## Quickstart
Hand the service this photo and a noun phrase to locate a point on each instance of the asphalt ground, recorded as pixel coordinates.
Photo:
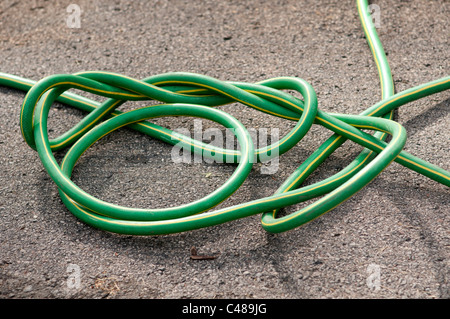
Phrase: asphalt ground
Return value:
(391, 240)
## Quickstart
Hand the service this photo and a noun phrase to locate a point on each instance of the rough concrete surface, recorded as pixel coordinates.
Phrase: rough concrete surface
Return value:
(397, 228)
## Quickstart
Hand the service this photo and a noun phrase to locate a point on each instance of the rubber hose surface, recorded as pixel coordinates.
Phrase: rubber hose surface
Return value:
(194, 95)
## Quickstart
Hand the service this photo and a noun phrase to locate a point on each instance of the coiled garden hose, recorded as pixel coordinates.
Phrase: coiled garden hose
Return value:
(194, 95)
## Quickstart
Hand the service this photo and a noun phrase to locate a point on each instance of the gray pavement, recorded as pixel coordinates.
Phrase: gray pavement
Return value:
(395, 230)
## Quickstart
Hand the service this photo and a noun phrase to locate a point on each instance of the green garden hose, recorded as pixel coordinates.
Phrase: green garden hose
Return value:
(194, 95)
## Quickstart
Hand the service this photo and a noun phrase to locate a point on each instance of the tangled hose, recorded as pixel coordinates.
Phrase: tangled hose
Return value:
(194, 95)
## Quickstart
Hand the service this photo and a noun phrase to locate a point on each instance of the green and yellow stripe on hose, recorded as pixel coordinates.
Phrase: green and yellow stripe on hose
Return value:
(194, 95)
